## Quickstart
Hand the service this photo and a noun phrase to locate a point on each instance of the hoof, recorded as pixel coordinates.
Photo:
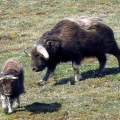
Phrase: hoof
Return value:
(10, 112)
(41, 83)
(96, 75)
(5, 110)
(16, 105)
(72, 82)
(78, 77)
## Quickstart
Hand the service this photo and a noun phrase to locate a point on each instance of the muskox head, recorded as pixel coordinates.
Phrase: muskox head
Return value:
(7, 83)
(42, 54)
(39, 56)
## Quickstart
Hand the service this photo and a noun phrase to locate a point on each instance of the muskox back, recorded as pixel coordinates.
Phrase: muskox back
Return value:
(68, 40)
(86, 22)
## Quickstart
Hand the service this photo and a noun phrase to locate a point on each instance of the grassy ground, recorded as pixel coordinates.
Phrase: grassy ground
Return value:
(21, 23)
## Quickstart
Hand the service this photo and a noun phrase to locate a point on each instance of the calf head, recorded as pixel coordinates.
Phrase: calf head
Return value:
(7, 83)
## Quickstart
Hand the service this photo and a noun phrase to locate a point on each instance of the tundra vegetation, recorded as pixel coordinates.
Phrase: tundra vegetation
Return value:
(21, 23)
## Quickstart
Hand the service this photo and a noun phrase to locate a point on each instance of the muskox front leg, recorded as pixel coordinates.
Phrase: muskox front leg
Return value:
(77, 75)
(43, 81)
(10, 105)
(4, 104)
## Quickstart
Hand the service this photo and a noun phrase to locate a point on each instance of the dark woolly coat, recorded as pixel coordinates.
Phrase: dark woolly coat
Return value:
(67, 41)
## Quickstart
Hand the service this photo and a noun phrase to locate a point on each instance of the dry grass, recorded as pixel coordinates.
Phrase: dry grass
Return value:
(24, 21)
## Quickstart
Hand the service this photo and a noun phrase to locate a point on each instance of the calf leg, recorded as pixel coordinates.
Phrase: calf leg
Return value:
(10, 105)
(102, 62)
(77, 75)
(17, 102)
(4, 104)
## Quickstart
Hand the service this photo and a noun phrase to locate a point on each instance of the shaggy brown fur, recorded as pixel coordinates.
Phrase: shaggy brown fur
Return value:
(13, 67)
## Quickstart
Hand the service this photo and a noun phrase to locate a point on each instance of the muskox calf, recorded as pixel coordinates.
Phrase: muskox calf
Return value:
(71, 41)
(11, 84)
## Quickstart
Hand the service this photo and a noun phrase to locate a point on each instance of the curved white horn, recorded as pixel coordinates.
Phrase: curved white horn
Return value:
(9, 77)
(14, 78)
(42, 51)
(1, 78)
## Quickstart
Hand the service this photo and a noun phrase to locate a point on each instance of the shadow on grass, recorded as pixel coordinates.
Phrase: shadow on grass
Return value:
(107, 71)
(65, 81)
(89, 74)
(37, 108)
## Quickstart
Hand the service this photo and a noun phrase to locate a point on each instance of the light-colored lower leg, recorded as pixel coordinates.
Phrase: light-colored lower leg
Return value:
(10, 105)
(77, 75)
(4, 104)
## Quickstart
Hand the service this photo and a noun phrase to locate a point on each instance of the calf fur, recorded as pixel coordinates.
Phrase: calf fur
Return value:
(11, 84)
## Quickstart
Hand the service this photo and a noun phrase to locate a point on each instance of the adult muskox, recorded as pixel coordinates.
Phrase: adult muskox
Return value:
(69, 41)
(11, 84)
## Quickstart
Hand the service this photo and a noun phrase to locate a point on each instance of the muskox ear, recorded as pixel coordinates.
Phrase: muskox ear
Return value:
(53, 45)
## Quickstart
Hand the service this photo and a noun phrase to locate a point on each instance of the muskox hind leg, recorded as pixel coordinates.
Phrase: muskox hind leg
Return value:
(77, 75)
(116, 52)
(102, 62)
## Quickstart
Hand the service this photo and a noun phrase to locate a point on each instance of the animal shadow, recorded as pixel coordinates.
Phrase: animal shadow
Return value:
(107, 71)
(89, 74)
(37, 108)
(65, 81)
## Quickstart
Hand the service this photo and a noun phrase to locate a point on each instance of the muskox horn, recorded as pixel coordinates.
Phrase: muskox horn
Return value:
(40, 49)
(14, 78)
(9, 77)
(1, 78)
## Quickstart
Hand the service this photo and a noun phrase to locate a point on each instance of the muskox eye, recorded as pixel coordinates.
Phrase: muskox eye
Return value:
(36, 56)
(39, 56)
